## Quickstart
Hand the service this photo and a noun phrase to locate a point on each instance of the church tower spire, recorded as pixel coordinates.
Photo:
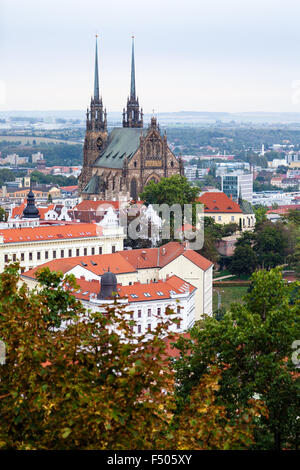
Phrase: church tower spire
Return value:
(96, 129)
(132, 117)
(96, 115)
(96, 79)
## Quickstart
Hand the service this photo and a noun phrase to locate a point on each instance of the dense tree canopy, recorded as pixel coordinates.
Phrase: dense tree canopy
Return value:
(90, 385)
(254, 340)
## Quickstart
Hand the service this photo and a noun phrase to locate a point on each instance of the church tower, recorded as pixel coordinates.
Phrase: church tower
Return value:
(132, 117)
(96, 129)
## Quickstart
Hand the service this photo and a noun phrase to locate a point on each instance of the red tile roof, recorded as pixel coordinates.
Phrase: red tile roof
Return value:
(158, 290)
(197, 259)
(153, 257)
(218, 203)
(17, 211)
(57, 232)
(284, 209)
(87, 205)
(173, 284)
(97, 264)
(126, 261)
(69, 188)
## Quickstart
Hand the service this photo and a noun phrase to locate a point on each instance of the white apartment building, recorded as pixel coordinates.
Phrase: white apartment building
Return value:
(147, 266)
(147, 304)
(34, 246)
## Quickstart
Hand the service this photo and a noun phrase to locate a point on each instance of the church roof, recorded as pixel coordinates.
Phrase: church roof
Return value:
(94, 186)
(121, 143)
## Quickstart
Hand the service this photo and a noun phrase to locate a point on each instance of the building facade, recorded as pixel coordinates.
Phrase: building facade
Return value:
(239, 186)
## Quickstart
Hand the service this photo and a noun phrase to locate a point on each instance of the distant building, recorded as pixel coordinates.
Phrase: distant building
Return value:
(13, 159)
(239, 186)
(224, 210)
(35, 157)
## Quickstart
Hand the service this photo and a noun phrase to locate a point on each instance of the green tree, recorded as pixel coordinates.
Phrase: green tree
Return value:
(244, 260)
(3, 215)
(254, 340)
(270, 245)
(173, 190)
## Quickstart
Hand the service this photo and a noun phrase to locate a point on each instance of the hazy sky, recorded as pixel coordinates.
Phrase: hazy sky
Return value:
(201, 55)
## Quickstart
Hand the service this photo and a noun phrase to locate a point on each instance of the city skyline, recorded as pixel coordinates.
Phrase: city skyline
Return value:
(197, 57)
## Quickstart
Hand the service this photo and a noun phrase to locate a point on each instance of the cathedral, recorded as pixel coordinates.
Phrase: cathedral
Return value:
(124, 161)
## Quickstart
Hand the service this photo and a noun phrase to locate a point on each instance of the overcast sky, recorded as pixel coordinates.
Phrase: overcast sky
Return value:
(201, 55)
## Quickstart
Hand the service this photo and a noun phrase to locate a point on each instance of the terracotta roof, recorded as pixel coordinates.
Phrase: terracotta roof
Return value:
(218, 203)
(284, 209)
(126, 261)
(87, 205)
(198, 259)
(56, 232)
(98, 264)
(170, 350)
(158, 290)
(18, 211)
(69, 188)
(153, 257)
(155, 290)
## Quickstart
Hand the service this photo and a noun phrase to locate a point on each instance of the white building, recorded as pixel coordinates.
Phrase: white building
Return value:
(147, 266)
(238, 185)
(147, 303)
(34, 246)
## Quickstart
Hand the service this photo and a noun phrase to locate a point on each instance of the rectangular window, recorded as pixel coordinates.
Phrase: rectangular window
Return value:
(22, 256)
(93, 251)
(179, 325)
(46, 254)
(149, 312)
(219, 217)
(100, 250)
(85, 251)
(54, 254)
(139, 313)
(77, 252)
(62, 253)
(30, 256)
(70, 253)
(113, 249)
(6, 258)
(159, 311)
(14, 257)
(139, 328)
(232, 218)
(149, 326)
(38, 255)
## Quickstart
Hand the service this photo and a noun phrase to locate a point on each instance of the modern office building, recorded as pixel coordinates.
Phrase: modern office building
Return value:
(239, 186)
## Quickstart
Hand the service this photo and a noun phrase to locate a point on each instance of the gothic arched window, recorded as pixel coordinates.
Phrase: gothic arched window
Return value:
(157, 150)
(133, 189)
(148, 151)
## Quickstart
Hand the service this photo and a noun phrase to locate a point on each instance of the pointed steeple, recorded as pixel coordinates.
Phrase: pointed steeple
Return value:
(96, 80)
(132, 117)
(96, 119)
(132, 81)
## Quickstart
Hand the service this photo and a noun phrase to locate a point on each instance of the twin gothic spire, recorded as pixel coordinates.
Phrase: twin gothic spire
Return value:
(97, 116)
